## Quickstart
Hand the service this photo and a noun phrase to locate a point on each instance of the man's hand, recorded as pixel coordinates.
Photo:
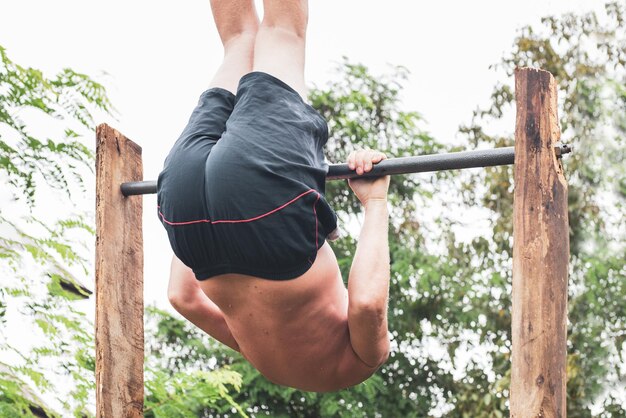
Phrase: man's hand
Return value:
(369, 188)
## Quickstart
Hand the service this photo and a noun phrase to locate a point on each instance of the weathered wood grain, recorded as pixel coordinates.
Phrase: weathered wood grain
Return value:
(119, 278)
(540, 253)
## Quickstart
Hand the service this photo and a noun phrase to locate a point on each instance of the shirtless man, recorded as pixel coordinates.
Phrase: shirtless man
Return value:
(241, 196)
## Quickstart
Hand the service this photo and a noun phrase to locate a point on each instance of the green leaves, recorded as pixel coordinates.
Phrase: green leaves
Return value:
(26, 158)
(43, 263)
(182, 394)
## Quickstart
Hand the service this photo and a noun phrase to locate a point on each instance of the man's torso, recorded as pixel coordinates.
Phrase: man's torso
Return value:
(295, 332)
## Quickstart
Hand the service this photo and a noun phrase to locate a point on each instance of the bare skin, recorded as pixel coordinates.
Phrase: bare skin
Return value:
(310, 333)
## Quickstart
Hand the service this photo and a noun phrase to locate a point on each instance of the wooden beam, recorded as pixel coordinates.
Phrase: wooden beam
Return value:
(119, 278)
(540, 253)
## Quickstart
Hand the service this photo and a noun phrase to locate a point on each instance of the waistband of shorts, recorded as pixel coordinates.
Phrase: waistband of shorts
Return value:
(290, 273)
(255, 75)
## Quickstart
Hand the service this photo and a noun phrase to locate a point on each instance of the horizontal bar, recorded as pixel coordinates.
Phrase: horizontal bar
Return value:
(391, 166)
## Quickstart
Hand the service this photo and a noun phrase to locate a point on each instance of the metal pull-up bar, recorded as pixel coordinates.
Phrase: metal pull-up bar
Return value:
(401, 165)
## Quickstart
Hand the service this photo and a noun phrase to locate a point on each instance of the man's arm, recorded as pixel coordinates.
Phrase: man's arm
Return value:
(368, 282)
(368, 287)
(190, 301)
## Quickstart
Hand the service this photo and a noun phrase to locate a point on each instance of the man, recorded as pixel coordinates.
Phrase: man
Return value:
(241, 196)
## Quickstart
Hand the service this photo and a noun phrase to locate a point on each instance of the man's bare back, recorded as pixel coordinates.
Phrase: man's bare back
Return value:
(294, 332)
(309, 332)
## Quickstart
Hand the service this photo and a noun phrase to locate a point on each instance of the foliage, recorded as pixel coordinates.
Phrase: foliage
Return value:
(183, 393)
(69, 95)
(42, 261)
(179, 384)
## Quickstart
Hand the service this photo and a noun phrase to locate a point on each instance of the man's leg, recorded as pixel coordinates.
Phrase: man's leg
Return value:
(237, 23)
(280, 42)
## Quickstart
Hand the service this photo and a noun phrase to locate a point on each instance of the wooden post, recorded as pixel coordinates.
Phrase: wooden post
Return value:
(119, 278)
(540, 253)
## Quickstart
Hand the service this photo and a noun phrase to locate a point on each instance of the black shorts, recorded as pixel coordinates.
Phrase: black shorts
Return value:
(242, 190)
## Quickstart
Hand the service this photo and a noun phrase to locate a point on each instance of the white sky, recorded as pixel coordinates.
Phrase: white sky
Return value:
(160, 56)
